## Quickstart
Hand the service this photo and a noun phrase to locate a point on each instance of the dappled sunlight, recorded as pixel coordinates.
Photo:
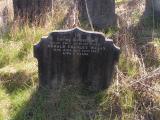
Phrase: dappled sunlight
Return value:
(133, 94)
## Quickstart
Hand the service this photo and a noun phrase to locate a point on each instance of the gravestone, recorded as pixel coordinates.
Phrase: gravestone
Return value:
(32, 10)
(76, 55)
(153, 3)
(152, 6)
(101, 12)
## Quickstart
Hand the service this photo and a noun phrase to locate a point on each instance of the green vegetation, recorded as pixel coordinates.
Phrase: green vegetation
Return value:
(111, 31)
(129, 67)
(20, 98)
(18, 83)
(120, 1)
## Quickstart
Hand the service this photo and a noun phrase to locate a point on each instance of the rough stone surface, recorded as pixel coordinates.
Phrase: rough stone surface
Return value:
(31, 10)
(76, 55)
(102, 12)
(149, 7)
(157, 5)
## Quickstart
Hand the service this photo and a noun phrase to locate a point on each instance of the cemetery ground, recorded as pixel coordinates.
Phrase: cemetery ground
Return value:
(20, 98)
(134, 93)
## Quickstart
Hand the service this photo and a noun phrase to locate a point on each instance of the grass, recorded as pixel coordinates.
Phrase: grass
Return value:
(17, 84)
(32, 110)
(111, 31)
(20, 98)
(129, 67)
(11, 104)
(18, 69)
(118, 2)
(15, 47)
(4, 104)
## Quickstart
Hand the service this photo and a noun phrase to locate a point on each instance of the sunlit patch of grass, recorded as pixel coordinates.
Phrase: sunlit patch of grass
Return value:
(18, 44)
(18, 83)
(111, 31)
(157, 46)
(16, 89)
(11, 104)
(120, 1)
(106, 102)
(136, 15)
(24, 51)
(5, 104)
(38, 107)
(129, 67)
(156, 42)
(19, 99)
(127, 101)
(115, 105)
(8, 52)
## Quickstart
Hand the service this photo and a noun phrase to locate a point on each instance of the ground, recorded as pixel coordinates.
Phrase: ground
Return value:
(133, 95)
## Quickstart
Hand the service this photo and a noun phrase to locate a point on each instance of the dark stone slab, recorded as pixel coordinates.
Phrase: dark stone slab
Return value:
(76, 55)
(102, 12)
(32, 10)
(151, 5)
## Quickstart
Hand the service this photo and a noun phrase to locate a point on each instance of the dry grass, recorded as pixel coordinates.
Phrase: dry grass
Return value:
(134, 94)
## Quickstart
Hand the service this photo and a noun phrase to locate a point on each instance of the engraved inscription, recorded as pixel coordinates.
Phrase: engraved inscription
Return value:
(78, 45)
(76, 55)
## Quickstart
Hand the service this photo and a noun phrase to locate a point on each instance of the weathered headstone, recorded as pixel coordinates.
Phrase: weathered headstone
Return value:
(31, 10)
(152, 6)
(76, 55)
(153, 3)
(101, 12)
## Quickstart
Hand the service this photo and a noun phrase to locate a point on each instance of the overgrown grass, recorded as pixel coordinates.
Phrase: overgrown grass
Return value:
(17, 84)
(11, 103)
(17, 45)
(20, 99)
(129, 67)
(18, 68)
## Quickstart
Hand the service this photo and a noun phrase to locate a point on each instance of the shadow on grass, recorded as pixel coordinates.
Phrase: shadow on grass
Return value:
(18, 80)
(67, 104)
(36, 108)
(70, 103)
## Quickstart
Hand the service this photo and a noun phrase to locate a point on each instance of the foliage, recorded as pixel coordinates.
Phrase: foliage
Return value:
(120, 1)
(20, 98)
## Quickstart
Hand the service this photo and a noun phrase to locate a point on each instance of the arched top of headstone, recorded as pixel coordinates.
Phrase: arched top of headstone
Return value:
(79, 30)
(76, 54)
